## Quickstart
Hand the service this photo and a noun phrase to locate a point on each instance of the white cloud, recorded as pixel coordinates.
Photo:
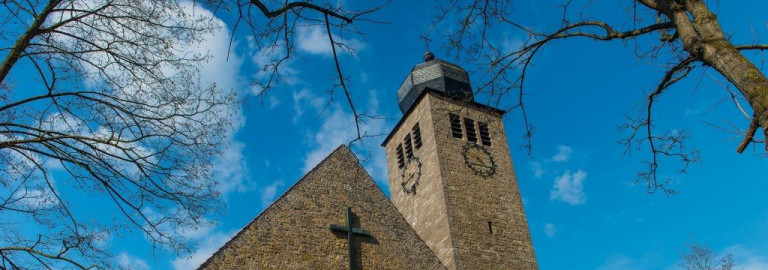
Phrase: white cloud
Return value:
(273, 102)
(374, 157)
(205, 249)
(197, 232)
(747, 259)
(376, 163)
(127, 261)
(137, 151)
(223, 69)
(550, 230)
(314, 39)
(744, 258)
(204, 236)
(304, 99)
(69, 124)
(265, 59)
(35, 198)
(202, 233)
(563, 154)
(690, 112)
(538, 170)
(24, 185)
(53, 164)
(620, 262)
(511, 44)
(102, 239)
(570, 188)
(65, 123)
(231, 169)
(269, 193)
(339, 128)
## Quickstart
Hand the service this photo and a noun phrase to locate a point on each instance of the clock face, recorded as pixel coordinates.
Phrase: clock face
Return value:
(410, 175)
(479, 160)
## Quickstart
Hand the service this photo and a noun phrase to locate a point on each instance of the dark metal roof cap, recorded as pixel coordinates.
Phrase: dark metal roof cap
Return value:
(428, 56)
(435, 74)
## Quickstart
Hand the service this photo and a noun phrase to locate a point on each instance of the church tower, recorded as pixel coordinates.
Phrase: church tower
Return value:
(451, 174)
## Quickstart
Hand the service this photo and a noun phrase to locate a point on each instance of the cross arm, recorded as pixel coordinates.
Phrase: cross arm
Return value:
(358, 231)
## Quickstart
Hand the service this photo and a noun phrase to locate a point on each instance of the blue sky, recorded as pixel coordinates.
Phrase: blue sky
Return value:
(583, 208)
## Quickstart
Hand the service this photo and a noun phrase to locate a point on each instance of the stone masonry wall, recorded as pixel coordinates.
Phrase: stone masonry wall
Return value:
(474, 201)
(293, 233)
(425, 211)
(452, 207)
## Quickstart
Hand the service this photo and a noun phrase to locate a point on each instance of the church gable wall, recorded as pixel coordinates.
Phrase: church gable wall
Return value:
(293, 233)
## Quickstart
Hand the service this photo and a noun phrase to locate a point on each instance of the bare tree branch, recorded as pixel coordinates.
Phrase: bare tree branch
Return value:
(119, 108)
(748, 137)
(275, 40)
(688, 32)
(342, 82)
(293, 5)
(701, 257)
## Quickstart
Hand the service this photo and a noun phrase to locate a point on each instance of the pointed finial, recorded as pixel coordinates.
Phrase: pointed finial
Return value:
(428, 56)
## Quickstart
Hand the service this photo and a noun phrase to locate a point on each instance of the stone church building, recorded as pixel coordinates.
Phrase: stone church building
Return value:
(455, 202)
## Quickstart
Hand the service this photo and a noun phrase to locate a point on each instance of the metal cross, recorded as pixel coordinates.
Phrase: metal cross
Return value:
(426, 40)
(351, 232)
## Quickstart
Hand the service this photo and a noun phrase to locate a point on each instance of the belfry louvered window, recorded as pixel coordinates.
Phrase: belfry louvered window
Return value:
(416, 136)
(408, 146)
(400, 157)
(455, 125)
(485, 136)
(469, 125)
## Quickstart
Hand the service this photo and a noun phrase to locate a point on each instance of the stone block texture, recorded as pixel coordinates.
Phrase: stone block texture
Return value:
(293, 233)
(469, 221)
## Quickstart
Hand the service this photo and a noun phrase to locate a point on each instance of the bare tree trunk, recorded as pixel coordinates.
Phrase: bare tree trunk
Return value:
(704, 38)
(689, 34)
(725, 58)
(23, 41)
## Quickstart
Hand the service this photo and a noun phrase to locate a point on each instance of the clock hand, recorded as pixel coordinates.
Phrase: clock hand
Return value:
(474, 154)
